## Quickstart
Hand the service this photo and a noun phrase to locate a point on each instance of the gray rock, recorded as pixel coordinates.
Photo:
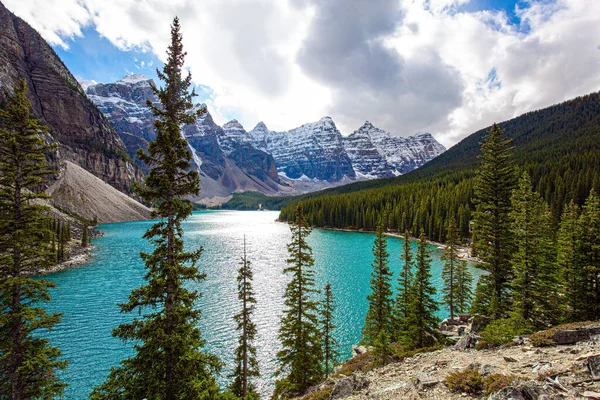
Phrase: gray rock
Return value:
(461, 330)
(479, 322)
(358, 350)
(581, 334)
(593, 365)
(347, 386)
(425, 381)
(468, 341)
(509, 359)
(526, 391)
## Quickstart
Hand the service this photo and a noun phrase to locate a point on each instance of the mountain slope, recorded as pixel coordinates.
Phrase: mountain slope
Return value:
(78, 191)
(84, 135)
(559, 146)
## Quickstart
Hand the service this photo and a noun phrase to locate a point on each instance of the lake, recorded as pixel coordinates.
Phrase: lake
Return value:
(88, 295)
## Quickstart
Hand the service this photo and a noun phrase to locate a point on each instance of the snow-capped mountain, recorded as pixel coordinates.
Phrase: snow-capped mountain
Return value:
(229, 158)
(376, 153)
(314, 150)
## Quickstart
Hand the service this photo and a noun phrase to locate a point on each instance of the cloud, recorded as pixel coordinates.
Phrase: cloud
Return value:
(348, 50)
(406, 65)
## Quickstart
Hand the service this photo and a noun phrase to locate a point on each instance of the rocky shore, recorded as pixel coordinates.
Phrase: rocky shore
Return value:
(79, 256)
(567, 366)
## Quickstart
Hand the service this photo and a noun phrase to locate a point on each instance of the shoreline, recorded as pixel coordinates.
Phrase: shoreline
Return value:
(79, 256)
(464, 252)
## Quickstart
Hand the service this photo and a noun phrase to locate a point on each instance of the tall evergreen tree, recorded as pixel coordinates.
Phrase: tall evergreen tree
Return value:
(464, 284)
(450, 257)
(246, 364)
(534, 282)
(574, 276)
(422, 322)
(301, 357)
(330, 344)
(168, 362)
(495, 181)
(380, 313)
(589, 248)
(404, 281)
(28, 364)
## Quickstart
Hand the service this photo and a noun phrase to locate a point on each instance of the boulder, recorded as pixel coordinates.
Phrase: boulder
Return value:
(425, 381)
(593, 366)
(358, 350)
(479, 322)
(467, 341)
(525, 391)
(345, 387)
(571, 336)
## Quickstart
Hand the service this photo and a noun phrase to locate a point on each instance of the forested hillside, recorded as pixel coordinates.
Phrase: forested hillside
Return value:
(559, 146)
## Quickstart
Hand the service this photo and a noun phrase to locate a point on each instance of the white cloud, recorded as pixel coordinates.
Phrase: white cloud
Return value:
(457, 71)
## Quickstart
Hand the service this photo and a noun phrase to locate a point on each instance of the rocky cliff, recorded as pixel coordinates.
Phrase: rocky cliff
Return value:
(84, 135)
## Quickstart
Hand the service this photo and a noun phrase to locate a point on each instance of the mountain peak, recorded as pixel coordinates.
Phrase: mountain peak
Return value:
(261, 126)
(134, 78)
(233, 125)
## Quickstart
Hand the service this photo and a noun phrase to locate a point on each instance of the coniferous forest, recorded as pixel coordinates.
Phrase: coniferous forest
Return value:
(522, 196)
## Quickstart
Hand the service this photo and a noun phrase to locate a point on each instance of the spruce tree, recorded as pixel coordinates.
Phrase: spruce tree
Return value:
(382, 351)
(495, 181)
(379, 315)
(246, 364)
(301, 355)
(28, 364)
(589, 250)
(534, 282)
(464, 284)
(574, 276)
(168, 360)
(450, 257)
(330, 344)
(404, 281)
(421, 322)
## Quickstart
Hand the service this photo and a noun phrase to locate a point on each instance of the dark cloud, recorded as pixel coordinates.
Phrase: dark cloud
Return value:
(345, 50)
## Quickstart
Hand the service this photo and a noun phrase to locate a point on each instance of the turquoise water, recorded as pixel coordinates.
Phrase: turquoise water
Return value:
(88, 295)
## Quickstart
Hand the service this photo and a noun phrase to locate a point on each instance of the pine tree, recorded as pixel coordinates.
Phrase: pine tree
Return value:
(494, 184)
(301, 357)
(449, 271)
(404, 281)
(422, 322)
(84, 235)
(168, 362)
(569, 262)
(534, 281)
(246, 364)
(464, 284)
(28, 364)
(379, 315)
(330, 344)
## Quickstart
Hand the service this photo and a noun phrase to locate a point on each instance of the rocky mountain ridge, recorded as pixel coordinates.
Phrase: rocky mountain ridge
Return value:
(230, 159)
(83, 134)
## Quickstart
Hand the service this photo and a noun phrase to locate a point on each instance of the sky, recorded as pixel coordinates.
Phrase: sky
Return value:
(449, 67)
